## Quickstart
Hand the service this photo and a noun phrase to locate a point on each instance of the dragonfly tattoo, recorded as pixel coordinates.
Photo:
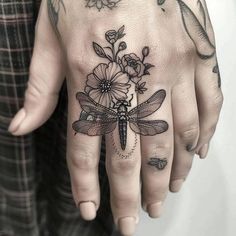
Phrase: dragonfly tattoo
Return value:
(105, 119)
(105, 102)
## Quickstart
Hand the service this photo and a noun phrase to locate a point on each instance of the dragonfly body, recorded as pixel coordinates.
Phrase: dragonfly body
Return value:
(107, 119)
(122, 113)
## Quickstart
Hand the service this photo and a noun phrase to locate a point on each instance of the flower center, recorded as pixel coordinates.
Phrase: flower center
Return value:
(132, 63)
(105, 86)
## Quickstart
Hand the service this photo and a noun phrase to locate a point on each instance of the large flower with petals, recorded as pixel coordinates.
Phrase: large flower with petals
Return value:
(102, 3)
(107, 83)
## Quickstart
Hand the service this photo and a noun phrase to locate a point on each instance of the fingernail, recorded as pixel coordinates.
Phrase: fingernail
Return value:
(155, 210)
(176, 185)
(87, 210)
(203, 151)
(15, 123)
(127, 225)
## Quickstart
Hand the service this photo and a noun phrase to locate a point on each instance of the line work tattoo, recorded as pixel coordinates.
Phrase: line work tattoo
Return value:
(197, 32)
(217, 71)
(105, 101)
(159, 163)
(99, 4)
(54, 7)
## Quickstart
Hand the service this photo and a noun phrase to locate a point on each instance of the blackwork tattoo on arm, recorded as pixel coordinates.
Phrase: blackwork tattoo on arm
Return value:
(105, 103)
(158, 163)
(99, 4)
(54, 8)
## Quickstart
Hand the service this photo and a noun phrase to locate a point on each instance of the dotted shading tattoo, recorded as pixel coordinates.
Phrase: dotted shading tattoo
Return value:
(99, 4)
(159, 163)
(105, 103)
(126, 155)
(54, 7)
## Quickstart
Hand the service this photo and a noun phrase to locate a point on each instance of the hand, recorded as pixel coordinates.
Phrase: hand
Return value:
(143, 74)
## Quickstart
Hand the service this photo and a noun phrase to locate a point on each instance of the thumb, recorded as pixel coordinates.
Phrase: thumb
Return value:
(45, 79)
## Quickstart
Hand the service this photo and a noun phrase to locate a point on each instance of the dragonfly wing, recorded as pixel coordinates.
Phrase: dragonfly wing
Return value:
(149, 106)
(93, 108)
(94, 127)
(149, 127)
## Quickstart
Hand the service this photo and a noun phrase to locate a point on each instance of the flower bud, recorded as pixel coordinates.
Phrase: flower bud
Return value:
(111, 36)
(122, 46)
(145, 51)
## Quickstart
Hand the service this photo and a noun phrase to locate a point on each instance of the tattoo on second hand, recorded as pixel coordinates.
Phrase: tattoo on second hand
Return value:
(159, 163)
(54, 7)
(217, 71)
(99, 4)
(105, 101)
(197, 32)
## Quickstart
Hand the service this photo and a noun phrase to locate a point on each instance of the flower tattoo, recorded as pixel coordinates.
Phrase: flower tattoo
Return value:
(107, 95)
(107, 83)
(99, 4)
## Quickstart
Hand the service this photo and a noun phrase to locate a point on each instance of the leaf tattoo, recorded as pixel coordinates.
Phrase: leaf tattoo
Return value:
(54, 7)
(205, 49)
(202, 12)
(160, 2)
(217, 71)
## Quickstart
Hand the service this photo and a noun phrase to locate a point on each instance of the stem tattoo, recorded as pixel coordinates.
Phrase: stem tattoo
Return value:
(106, 98)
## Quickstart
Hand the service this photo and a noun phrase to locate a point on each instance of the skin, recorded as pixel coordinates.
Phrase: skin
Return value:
(191, 107)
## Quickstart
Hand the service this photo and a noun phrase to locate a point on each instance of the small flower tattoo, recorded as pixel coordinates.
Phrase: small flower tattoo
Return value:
(99, 4)
(107, 83)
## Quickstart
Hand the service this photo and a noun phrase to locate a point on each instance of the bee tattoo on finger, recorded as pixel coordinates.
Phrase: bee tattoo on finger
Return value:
(158, 163)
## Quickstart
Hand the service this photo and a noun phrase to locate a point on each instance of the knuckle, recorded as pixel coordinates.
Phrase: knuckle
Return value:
(122, 200)
(83, 160)
(80, 189)
(79, 62)
(159, 192)
(182, 169)
(164, 151)
(217, 102)
(124, 166)
(189, 132)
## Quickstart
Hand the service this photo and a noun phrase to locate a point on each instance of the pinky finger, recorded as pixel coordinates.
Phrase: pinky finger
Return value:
(210, 100)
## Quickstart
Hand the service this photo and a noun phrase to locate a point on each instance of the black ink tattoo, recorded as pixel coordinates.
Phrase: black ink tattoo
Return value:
(159, 163)
(217, 71)
(202, 12)
(196, 32)
(105, 102)
(160, 3)
(124, 155)
(54, 7)
(99, 4)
